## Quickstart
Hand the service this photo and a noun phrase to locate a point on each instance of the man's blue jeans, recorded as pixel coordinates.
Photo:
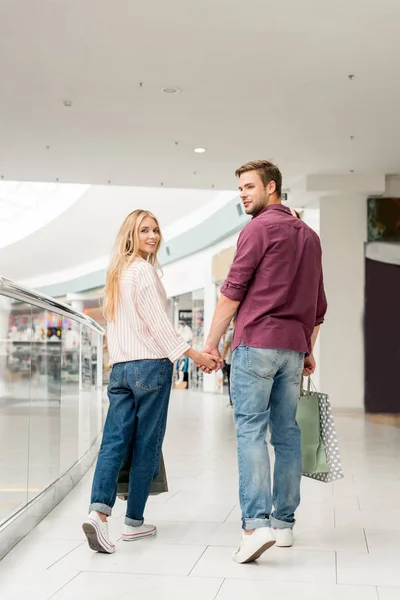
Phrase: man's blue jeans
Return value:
(139, 395)
(265, 387)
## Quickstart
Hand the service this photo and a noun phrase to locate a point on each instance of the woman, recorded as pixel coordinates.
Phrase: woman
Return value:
(143, 346)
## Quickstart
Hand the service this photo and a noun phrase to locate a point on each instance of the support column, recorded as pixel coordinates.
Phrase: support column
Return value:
(343, 230)
(78, 305)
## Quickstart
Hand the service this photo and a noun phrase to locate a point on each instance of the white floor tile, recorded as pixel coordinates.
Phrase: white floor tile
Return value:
(352, 519)
(40, 585)
(198, 511)
(389, 593)
(379, 568)
(260, 590)
(36, 555)
(381, 541)
(375, 502)
(142, 556)
(193, 533)
(110, 586)
(347, 540)
(276, 564)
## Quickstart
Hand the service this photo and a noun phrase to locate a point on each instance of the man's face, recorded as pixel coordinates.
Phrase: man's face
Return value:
(254, 195)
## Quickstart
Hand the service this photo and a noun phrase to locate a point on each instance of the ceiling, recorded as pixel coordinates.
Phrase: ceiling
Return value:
(26, 207)
(257, 79)
(82, 235)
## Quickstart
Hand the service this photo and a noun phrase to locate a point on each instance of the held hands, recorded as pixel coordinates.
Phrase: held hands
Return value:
(215, 355)
(309, 365)
(206, 362)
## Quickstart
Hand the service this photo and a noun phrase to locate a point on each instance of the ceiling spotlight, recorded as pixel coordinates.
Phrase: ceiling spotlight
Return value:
(199, 150)
(68, 103)
(170, 90)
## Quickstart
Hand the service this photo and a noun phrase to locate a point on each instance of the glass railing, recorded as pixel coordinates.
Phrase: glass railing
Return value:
(50, 392)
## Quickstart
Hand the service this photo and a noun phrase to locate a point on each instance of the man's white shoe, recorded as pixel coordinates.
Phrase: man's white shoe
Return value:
(253, 545)
(131, 534)
(283, 537)
(96, 532)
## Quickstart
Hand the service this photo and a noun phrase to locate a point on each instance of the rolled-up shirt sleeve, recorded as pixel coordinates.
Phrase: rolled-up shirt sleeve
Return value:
(153, 312)
(251, 248)
(322, 304)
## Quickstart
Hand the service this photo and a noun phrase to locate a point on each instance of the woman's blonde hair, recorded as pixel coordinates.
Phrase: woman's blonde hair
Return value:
(125, 251)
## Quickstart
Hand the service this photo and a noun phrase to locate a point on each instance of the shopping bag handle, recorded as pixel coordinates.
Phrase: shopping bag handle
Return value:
(309, 382)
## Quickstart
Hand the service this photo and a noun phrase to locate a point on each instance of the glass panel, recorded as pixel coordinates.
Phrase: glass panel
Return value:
(70, 370)
(95, 399)
(44, 449)
(198, 335)
(15, 370)
(86, 390)
(50, 399)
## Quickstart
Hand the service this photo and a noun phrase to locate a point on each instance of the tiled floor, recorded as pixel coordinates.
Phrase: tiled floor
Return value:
(347, 535)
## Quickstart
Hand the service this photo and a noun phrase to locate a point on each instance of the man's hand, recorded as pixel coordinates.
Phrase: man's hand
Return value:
(206, 361)
(217, 357)
(309, 365)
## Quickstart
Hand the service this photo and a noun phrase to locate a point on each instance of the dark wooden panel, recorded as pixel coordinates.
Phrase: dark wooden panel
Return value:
(382, 337)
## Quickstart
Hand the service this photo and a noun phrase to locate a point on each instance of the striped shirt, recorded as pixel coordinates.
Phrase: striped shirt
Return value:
(141, 328)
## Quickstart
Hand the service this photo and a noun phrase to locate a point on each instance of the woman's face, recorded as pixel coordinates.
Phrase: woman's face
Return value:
(149, 237)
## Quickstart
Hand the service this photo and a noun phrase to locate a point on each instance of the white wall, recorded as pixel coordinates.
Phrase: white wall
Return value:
(311, 216)
(195, 271)
(343, 230)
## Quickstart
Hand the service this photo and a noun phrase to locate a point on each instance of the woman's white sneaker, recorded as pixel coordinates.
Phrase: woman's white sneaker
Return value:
(283, 537)
(131, 534)
(253, 545)
(96, 532)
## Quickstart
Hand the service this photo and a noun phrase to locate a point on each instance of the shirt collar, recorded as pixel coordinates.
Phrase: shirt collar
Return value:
(279, 207)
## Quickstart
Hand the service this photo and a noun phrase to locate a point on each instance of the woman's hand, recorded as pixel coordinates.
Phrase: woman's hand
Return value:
(206, 360)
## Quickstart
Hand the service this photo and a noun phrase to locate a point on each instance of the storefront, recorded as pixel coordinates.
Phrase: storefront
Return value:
(187, 311)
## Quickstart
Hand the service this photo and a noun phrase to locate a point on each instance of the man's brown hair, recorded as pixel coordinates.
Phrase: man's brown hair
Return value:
(267, 171)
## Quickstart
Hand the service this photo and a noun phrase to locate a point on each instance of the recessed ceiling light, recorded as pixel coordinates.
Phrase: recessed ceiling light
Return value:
(170, 90)
(199, 150)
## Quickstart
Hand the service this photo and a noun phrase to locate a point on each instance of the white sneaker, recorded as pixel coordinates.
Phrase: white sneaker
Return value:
(131, 534)
(283, 537)
(253, 545)
(97, 534)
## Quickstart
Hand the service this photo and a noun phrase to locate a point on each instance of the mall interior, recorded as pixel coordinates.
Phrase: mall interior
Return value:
(110, 107)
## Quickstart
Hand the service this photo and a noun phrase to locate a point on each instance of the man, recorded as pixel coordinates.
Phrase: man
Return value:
(276, 286)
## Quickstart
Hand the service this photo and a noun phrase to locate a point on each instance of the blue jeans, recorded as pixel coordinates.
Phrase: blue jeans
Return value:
(139, 395)
(265, 388)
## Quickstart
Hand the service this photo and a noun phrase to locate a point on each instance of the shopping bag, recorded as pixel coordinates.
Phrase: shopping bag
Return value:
(326, 465)
(159, 484)
(308, 419)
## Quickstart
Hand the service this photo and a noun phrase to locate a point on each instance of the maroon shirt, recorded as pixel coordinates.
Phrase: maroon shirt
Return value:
(277, 278)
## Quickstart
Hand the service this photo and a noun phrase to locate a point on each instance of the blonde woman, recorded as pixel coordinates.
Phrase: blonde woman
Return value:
(143, 346)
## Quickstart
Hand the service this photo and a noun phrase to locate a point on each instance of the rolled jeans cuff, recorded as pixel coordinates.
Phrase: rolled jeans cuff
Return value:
(101, 508)
(277, 524)
(133, 522)
(248, 524)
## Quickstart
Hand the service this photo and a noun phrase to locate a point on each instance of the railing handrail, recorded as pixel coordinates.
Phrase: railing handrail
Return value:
(19, 292)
